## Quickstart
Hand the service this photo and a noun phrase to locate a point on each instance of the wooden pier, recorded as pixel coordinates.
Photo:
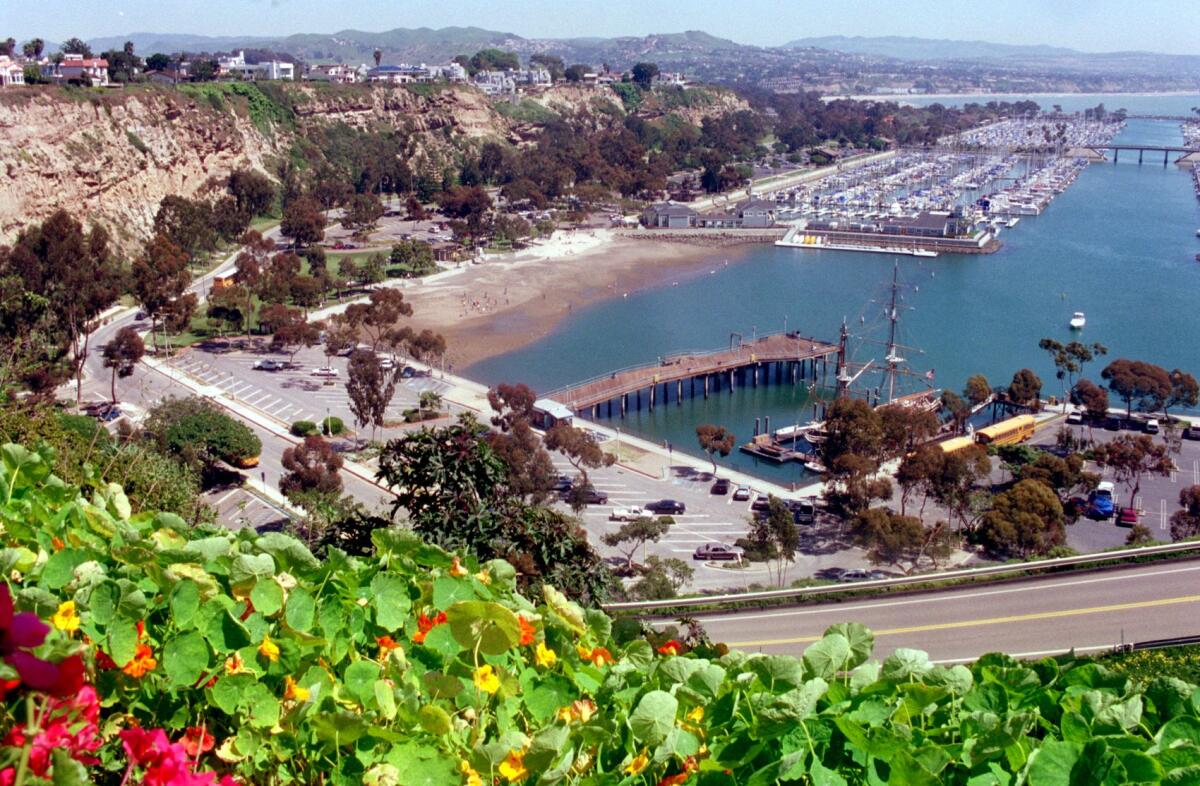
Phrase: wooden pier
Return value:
(792, 358)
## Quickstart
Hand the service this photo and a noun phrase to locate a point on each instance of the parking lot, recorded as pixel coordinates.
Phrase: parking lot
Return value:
(292, 394)
(238, 508)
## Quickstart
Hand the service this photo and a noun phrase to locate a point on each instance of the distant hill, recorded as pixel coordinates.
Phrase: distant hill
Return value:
(907, 48)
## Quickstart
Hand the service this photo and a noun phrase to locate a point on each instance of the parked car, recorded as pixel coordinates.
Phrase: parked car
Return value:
(1127, 517)
(324, 371)
(803, 511)
(140, 315)
(742, 493)
(667, 507)
(626, 514)
(1102, 501)
(720, 486)
(761, 504)
(1151, 426)
(1192, 432)
(269, 365)
(717, 551)
(563, 483)
(859, 574)
(1112, 423)
(589, 496)
(1075, 417)
(1076, 506)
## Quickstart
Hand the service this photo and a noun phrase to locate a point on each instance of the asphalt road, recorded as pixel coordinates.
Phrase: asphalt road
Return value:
(1031, 618)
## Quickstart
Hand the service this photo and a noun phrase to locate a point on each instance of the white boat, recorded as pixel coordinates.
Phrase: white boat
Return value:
(1078, 321)
(1012, 222)
(1198, 233)
(923, 252)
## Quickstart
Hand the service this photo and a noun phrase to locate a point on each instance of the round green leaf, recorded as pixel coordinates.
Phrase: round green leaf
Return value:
(434, 720)
(360, 679)
(267, 597)
(185, 602)
(488, 626)
(300, 610)
(654, 717)
(185, 658)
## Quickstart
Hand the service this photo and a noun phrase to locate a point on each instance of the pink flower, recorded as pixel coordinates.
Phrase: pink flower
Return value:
(70, 724)
(163, 762)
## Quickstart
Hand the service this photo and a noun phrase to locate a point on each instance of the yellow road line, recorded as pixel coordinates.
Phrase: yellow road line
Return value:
(1041, 615)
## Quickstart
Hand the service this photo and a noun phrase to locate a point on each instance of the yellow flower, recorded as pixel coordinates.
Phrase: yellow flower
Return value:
(65, 619)
(639, 763)
(696, 715)
(268, 649)
(580, 710)
(486, 679)
(544, 656)
(472, 777)
(294, 692)
(513, 767)
(484, 577)
(456, 569)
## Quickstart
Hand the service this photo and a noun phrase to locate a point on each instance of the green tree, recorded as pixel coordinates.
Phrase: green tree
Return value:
(378, 320)
(1094, 399)
(977, 390)
(303, 221)
(312, 467)
(574, 73)
(633, 535)
(1130, 457)
(1137, 381)
(412, 258)
(904, 428)
(160, 275)
(76, 46)
(294, 333)
(579, 447)
(198, 432)
(643, 74)
(889, 539)
(370, 388)
(958, 410)
(531, 472)
(33, 48)
(714, 440)
(122, 355)
(1025, 388)
(1024, 521)
(1185, 391)
(252, 191)
(1185, 523)
(552, 63)
(362, 214)
(661, 578)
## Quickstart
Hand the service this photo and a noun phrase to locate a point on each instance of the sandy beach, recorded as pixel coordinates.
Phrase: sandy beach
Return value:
(507, 302)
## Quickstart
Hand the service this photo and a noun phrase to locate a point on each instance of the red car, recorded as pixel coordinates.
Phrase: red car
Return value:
(1127, 517)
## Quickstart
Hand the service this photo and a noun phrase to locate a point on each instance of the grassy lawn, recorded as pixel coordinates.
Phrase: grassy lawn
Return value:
(263, 223)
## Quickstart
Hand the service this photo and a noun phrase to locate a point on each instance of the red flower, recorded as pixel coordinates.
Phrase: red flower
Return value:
(141, 629)
(196, 741)
(672, 647)
(164, 763)
(426, 624)
(104, 662)
(386, 645)
(69, 724)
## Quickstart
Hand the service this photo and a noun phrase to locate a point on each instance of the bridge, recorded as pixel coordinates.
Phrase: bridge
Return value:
(790, 356)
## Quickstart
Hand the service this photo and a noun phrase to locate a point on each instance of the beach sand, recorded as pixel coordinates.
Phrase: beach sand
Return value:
(505, 303)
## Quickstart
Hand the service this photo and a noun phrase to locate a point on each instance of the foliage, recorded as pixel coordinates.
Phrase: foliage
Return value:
(892, 539)
(312, 466)
(122, 354)
(370, 388)
(1130, 456)
(579, 447)
(1024, 521)
(1135, 381)
(977, 389)
(1025, 388)
(303, 221)
(633, 535)
(196, 431)
(775, 538)
(714, 440)
(1158, 667)
(303, 428)
(1185, 523)
(660, 578)
(332, 426)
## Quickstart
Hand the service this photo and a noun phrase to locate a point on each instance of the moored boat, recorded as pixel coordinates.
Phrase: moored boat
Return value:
(1078, 320)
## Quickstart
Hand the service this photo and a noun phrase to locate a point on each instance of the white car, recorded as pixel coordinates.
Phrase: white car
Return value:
(1152, 426)
(325, 371)
(1075, 417)
(626, 514)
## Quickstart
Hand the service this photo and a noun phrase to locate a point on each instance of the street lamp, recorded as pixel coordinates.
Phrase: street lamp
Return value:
(325, 428)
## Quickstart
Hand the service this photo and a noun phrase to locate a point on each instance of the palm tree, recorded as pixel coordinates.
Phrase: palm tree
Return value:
(378, 57)
(430, 400)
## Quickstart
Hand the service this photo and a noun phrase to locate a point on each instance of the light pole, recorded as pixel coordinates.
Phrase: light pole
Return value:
(326, 428)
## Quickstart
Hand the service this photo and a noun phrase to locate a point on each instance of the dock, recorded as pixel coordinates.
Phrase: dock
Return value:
(785, 357)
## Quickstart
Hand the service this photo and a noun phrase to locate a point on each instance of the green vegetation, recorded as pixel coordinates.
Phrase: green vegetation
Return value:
(136, 141)
(526, 111)
(265, 104)
(355, 670)
(630, 94)
(1174, 663)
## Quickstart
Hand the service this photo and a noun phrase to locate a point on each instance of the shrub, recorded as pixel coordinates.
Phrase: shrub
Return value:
(303, 428)
(332, 426)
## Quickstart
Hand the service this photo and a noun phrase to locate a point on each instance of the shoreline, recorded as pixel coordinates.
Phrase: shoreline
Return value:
(508, 303)
(993, 96)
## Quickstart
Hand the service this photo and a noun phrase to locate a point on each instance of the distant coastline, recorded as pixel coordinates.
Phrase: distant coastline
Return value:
(902, 97)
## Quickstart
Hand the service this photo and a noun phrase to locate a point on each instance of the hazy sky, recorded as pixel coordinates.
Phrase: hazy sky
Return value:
(1090, 25)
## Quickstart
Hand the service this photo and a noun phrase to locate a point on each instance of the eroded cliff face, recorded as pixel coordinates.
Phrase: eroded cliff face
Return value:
(111, 158)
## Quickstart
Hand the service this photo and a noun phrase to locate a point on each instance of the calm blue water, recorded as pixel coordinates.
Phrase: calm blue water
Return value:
(1119, 245)
(1180, 105)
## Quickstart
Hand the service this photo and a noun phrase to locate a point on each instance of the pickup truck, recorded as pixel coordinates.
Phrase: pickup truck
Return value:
(626, 514)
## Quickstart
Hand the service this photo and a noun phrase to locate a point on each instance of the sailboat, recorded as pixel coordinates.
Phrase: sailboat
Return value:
(1078, 321)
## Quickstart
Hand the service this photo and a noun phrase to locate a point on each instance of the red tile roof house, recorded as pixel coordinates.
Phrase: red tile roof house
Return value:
(77, 68)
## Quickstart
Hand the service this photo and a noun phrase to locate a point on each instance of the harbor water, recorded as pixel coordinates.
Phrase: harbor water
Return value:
(1120, 244)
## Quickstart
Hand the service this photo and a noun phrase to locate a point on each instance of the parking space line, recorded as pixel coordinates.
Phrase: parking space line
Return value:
(1196, 472)
(1162, 512)
(257, 397)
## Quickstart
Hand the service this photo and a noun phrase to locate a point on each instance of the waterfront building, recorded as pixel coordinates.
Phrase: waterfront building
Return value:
(668, 215)
(12, 73)
(274, 70)
(335, 74)
(77, 68)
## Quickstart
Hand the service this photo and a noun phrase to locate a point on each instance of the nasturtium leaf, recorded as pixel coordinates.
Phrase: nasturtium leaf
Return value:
(267, 597)
(448, 591)
(360, 680)
(822, 776)
(638, 653)
(441, 686)
(228, 690)
(544, 695)
(707, 680)
(1052, 763)
(777, 672)
(405, 543)
(122, 641)
(860, 637)
(19, 559)
(488, 627)
(59, 569)
(503, 574)
(679, 744)
(185, 658)
(339, 728)
(248, 568)
(1178, 730)
(546, 746)
(434, 720)
(67, 771)
(385, 699)
(206, 550)
(289, 553)
(226, 633)
(599, 623)
(678, 670)
(180, 571)
(424, 765)
(37, 600)
(261, 706)
(829, 656)
(906, 664)
(389, 596)
(567, 610)
(185, 602)
(300, 610)
(653, 717)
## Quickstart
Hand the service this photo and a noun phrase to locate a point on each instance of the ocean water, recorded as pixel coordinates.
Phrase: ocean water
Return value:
(1119, 244)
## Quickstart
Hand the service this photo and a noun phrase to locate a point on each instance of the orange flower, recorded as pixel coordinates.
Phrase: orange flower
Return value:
(527, 631)
(426, 624)
(143, 662)
(141, 629)
(672, 647)
(57, 543)
(674, 780)
(293, 692)
(386, 645)
(456, 568)
(597, 656)
(234, 664)
(196, 741)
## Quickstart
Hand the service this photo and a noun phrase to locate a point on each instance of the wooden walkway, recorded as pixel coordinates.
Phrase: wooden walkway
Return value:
(775, 348)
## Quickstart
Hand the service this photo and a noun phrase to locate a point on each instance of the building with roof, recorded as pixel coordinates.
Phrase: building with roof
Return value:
(335, 73)
(12, 73)
(77, 68)
(669, 215)
(236, 65)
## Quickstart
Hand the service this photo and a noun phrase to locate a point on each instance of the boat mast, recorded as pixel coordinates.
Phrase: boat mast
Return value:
(843, 373)
(893, 359)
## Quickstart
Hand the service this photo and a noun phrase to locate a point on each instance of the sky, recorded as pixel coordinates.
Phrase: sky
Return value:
(1087, 25)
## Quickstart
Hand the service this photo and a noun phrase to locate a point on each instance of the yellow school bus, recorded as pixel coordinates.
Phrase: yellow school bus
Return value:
(1007, 432)
(956, 444)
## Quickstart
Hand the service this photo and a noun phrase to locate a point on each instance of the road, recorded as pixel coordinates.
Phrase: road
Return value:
(1031, 618)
